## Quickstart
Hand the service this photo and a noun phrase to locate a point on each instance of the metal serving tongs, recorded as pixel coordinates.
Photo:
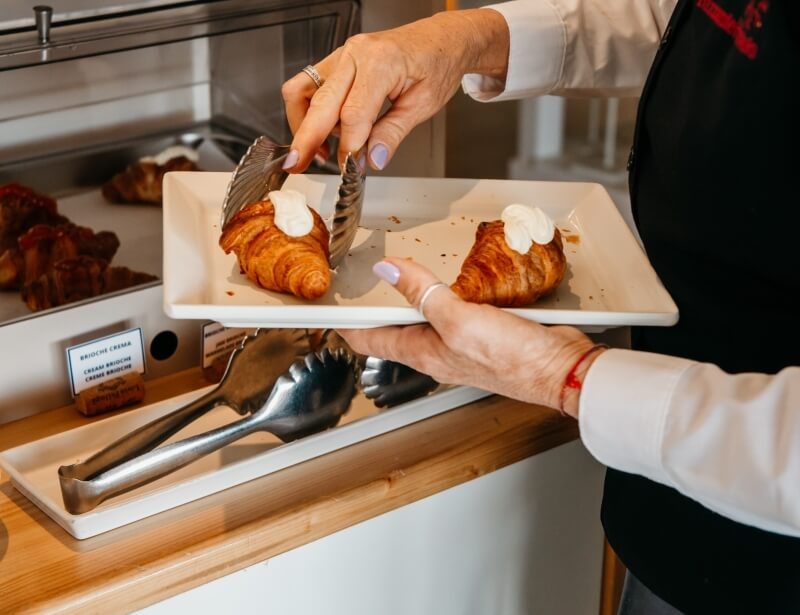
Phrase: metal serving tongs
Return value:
(252, 371)
(261, 170)
(311, 395)
(387, 383)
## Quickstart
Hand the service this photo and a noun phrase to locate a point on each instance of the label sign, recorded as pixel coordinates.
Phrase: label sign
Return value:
(102, 359)
(219, 341)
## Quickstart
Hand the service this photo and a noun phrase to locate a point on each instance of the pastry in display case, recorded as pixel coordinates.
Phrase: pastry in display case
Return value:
(141, 181)
(106, 101)
(274, 259)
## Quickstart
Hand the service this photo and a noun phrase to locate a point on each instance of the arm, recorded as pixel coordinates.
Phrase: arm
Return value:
(731, 442)
(574, 47)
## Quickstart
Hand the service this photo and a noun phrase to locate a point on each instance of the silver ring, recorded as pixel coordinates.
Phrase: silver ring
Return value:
(312, 72)
(427, 294)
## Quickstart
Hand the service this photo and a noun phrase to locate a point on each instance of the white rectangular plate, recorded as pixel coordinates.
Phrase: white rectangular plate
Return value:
(609, 281)
(33, 467)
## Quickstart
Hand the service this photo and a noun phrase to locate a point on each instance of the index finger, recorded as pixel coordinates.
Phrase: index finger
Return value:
(323, 113)
(298, 91)
(417, 346)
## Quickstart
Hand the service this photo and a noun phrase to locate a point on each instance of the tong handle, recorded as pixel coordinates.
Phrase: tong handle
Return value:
(146, 437)
(81, 495)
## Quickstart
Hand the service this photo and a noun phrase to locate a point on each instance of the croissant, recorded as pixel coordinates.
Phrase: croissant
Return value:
(141, 181)
(493, 273)
(274, 260)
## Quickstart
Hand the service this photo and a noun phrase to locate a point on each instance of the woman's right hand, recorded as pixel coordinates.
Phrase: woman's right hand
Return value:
(416, 67)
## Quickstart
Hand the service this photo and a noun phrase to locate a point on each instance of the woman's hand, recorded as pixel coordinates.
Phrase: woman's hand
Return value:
(477, 345)
(417, 67)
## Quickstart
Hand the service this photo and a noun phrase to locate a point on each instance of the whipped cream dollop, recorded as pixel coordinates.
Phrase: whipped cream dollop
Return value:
(292, 214)
(171, 152)
(523, 225)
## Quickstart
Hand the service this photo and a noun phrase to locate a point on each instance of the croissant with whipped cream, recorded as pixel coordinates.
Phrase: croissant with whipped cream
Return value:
(141, 181)
(295, 263)
(496, 273)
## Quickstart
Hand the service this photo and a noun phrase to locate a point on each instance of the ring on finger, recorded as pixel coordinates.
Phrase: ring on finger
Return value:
(427, 294)
(313, 75)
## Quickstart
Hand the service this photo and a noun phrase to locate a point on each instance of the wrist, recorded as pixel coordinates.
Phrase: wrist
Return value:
(487, 41)
(572, 381)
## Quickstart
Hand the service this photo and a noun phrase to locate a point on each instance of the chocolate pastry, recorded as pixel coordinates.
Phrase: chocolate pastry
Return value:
(78, 278)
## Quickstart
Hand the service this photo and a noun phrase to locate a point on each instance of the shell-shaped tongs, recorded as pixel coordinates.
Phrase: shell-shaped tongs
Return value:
(310, 396)
(261, 170)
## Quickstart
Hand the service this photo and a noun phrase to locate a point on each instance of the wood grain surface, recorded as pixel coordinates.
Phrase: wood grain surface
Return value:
(42, 568)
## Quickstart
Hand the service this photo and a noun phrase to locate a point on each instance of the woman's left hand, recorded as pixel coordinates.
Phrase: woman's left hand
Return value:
(477, 345)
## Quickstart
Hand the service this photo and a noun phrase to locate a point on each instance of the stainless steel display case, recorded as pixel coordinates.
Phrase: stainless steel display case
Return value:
(98, 89)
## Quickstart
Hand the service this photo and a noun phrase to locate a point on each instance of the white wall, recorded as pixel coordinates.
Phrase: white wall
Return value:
(522, 540)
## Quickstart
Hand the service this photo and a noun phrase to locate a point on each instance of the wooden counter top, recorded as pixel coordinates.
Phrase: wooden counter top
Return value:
(44, 568)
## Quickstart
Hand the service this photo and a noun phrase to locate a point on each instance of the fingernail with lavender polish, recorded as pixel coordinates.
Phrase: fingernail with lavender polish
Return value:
(291, 159)
(386, 271)
(378, 155)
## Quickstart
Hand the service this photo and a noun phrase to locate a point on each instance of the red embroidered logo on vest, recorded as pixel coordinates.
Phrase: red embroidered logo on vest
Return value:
(738, 29)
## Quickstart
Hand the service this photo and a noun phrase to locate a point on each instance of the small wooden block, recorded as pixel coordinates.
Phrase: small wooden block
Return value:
(116, 393)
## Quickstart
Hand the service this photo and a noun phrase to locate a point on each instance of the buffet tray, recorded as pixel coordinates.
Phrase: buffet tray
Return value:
(33, 467)
(137, 226)
(609, 281)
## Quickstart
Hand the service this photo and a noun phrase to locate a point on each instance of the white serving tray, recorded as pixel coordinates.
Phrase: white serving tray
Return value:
(609, 281)
(33, 467)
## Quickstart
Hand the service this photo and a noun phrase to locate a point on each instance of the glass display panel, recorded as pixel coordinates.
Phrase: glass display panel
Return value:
(80, 215)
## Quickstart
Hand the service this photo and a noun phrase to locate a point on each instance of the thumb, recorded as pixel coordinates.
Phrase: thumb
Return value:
(412, 280)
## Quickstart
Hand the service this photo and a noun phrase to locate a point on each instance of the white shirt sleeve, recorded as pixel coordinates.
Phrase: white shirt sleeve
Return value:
(575, 47)
(731, 442)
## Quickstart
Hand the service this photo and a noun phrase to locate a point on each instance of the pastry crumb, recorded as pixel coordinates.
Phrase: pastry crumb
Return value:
(395, 219)
(417, 239)
(443, 255)
(230, 293)
(573, 239)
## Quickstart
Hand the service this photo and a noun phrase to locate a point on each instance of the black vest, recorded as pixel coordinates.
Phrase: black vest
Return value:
(715, 188)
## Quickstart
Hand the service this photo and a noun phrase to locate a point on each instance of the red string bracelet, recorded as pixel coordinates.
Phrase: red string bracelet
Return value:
(572, 381)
